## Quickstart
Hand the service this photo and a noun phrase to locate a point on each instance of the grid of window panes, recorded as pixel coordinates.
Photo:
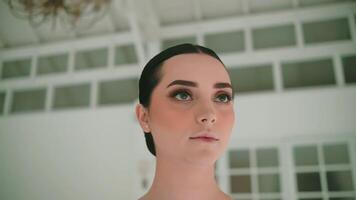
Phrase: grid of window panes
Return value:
(112, 91)
(124, 55)
(302, 72)
(323, 172)
(255, 173)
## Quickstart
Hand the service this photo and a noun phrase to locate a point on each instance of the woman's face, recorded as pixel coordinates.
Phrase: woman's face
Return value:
(193, 99)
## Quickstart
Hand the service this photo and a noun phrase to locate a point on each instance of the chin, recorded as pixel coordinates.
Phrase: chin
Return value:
(204, 158)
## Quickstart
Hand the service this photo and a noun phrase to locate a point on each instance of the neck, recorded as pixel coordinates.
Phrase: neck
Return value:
(183, 180)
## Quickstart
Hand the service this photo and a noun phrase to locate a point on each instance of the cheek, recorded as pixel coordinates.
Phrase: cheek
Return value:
(227, 120)
(166, 118)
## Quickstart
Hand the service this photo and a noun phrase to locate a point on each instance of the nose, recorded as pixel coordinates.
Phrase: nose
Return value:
(207, 117)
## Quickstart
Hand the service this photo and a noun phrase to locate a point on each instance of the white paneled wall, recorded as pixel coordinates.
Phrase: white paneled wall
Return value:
(93, 152)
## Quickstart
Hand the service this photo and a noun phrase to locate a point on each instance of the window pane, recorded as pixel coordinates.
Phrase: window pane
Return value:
(225, 42)
(339, 181)
(175, 41)
(28, 100)
(125, 55)
(268, 183)
(349, 64)
(52, 64)
(209, 11)
(271, 37)
(311, 199)
(308, 182)
(267, 157)
(324, 31)
(72, 96)
(117, 91)
(308, 73)
(240, 183)
(252, 78)
(268, 5)
(91, 59)
(304, 3)
(305, 155)
(336, 154)
(16, 68)
(239, 158)
(267, 199)
(2, 102)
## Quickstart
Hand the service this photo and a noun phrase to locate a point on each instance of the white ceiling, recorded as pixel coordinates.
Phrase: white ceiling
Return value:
(151, 14)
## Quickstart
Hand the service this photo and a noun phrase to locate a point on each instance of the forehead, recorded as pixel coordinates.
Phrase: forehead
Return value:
(195, 67)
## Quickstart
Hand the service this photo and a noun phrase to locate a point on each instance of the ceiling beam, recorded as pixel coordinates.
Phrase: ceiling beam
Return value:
(245, 7)
(113, 26)
(36, 35)
(118, 10)
(197, 10)
(150, 21)
(136, 32)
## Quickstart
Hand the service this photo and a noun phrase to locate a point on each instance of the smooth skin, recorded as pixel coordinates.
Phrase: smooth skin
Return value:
(184, 166)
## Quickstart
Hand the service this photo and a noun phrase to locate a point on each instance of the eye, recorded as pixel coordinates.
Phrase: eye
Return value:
(181, 95)
(224, 98)
(184, 95)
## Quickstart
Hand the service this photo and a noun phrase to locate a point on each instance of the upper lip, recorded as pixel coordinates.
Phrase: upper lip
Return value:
(205, 134)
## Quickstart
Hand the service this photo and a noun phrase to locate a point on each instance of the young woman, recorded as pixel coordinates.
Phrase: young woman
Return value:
(186, 112)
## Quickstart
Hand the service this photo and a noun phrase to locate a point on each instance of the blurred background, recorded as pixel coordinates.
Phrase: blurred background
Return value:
(69, 84)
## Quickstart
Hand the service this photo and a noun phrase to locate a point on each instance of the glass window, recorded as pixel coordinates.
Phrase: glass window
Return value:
(125, 55)
(306, 155)
(2, 102)
(304, 3)
(308, 73)
(261, 165)
(239, 158)
(339, 181)
(268, 183)
(117, 91)
(71, 96)
(267, 157)
(209, 9)
(311, 199)
(89, 59)
(325, 31)
(333, 164)
(28, 100)
(240, 184)
(251, 78)
(16, 68)
(52, 64)
(226, 42)
(336, 154)
(349, 65)
(272, 37)
(258, 6)
(308, 182)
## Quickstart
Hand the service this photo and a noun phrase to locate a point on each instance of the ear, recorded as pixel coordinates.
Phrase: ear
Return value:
(142, 117)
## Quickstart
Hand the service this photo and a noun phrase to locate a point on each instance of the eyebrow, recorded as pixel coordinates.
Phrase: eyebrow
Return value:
(194, 84)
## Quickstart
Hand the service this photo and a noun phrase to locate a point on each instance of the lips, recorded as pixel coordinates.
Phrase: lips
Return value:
(205, 136)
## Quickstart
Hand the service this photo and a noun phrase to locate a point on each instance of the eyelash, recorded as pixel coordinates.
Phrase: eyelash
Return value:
(180, 91)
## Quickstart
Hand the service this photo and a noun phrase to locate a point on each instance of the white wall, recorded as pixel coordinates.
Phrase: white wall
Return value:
(83, 154)
(90, 154)
(93, 153)
(308, 111)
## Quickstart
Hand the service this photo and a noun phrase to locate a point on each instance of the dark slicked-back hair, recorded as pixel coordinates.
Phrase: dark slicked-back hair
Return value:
(151, 76)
